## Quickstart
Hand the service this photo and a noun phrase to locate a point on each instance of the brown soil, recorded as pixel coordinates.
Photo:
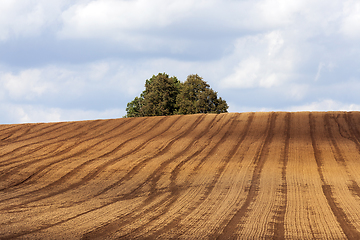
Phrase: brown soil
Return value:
(229, 176)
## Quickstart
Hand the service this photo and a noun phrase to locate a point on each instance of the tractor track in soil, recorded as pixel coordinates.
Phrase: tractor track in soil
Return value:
(175, 189)
(78, 168)
(259, 160)
(152, 179)
(178, 177)
(349, 230)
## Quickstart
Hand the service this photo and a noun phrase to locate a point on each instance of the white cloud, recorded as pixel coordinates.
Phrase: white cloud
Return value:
(296, 92)
(74, 81)
(117, 19)
(351, 22)
(28, 113)
(246, 74)
(234, 107)
(266, 60)
(137, 20)
(28, 18)
(143, 20)
(25, 113)
(25, 85)
(277, 13)
(326, 105)
(321, 105)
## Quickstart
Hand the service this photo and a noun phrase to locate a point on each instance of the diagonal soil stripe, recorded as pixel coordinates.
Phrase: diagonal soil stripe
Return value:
(279, 231)
(349, 230)
(230, 229)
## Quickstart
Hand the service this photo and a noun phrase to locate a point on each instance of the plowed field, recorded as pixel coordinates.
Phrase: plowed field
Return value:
(229, 176)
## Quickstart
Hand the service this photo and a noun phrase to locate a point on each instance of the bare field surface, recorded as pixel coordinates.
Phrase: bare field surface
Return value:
(273, 175)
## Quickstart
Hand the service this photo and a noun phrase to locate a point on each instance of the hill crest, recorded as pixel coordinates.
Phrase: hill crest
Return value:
(260, 174)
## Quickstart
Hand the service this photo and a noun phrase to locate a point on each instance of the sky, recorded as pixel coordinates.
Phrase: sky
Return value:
(69, 60)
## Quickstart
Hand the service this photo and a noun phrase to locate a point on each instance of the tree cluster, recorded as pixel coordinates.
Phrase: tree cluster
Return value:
(164, 95)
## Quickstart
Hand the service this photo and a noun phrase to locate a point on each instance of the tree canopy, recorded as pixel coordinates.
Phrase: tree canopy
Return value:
(196, 96)
(164, 95)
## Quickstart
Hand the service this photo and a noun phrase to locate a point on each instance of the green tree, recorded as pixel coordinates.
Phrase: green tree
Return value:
(196, 96)
(160, 95)
(158, 98)
(133, 108)
(164, 95)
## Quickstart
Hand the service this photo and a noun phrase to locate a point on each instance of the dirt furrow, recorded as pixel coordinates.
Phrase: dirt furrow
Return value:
(5, 128)
(151, 180)
(353, 129)
(279, 228)
(41, 139)
(49, 189)
(264, 210)
(308, 215)
(230, 229)
(355, 138)
(344, 191)
(209, 171)
(349, 230)
(78, 135)
(354, 187)
(136, 169)
(175, 188)
(228, 176)
(354, 132)
(16, 134)
(74, 134)
(53, 162)
(335, 148)
(20, 152)
(89, 211)
(175, 119)
(38, 129)
(239, 137)
(35, 231)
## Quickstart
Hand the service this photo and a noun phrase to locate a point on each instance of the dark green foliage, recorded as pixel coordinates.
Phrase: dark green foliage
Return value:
(133, 108)
(164, 95)
(160, 95)
(196, 96)
(158, 98)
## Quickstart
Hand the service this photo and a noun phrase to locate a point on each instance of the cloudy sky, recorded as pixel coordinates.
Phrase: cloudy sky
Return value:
(66, 60)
